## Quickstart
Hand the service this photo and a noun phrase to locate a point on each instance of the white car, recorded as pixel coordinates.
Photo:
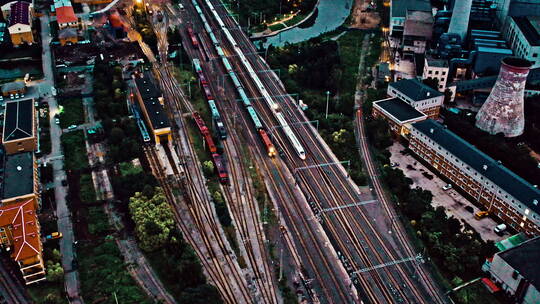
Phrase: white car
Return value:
(72, 127)
(447, 187)
(499, 229)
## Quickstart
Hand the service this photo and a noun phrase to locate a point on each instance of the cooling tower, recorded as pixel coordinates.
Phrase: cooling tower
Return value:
(460, 18)
(503, 110)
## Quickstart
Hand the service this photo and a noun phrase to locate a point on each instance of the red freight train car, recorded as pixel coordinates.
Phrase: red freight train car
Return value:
(194, 40)
(268, 143)
(205, 132)
(220, 168)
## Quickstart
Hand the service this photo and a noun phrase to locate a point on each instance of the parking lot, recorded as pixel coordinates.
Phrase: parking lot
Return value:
(453, 202)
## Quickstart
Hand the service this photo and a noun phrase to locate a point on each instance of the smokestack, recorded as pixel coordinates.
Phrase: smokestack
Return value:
(503, 110)
(460, 18)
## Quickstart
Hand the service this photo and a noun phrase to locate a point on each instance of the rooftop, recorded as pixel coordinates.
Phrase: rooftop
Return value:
(439, 63)
(511, 242)
(19, 13)
(399, 109)
(65, 14)
(18, 120)
(400, 7)
(530, 27)
(67, 33)
(18, 175)
(150, 94)
(25, 229)
(414, 89)
(418, 29)
(13, 86)
(495, 172)
(524, 259)
(2, 31)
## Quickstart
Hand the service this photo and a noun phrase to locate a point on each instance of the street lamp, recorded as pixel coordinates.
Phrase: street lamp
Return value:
(327, 97)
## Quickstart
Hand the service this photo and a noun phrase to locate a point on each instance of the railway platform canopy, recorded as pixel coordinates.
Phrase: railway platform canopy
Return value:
(151, 102)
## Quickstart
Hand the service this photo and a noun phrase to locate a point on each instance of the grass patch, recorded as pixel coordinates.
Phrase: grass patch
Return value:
(75, 155)
(475, 293)
(72, 113)
(102, 270)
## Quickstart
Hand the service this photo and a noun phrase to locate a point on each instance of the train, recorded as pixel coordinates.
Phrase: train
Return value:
(216, 117)
(293, 139)
(270, 148)
(216, 157)
(193, 38)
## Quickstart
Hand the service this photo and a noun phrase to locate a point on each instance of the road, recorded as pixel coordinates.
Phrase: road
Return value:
(65, 225)
(370, 242)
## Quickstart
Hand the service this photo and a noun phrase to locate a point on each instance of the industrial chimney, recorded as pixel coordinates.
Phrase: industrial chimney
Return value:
(503, 110)
(460, 18)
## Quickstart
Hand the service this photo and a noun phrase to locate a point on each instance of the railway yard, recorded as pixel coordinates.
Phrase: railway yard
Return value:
(345, 246)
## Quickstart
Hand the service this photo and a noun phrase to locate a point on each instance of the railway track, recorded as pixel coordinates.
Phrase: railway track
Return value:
(393, 286)
(11, 289)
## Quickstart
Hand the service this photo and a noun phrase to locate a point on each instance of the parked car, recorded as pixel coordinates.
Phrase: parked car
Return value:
(54, 235)
(480, 215)
(469, 208)
(72, 127)
(500, 229)
(57, 120)
(447, 187)
(394, 164)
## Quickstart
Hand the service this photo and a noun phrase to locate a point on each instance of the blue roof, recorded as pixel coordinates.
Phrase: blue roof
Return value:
(507, 180)
(486, 49)
(400, 7)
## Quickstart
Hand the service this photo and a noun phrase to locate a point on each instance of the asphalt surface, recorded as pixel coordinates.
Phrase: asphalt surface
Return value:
(62, 212)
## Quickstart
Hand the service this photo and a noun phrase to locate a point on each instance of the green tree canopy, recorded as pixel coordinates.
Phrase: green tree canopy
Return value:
(153, 219)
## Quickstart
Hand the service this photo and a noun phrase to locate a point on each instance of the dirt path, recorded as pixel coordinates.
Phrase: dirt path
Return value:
(364, 18)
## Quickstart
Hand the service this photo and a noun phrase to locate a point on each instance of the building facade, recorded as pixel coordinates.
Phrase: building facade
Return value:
(399, 115)
(420, 96)
(517, 271)
(436, 69)
(501, 192)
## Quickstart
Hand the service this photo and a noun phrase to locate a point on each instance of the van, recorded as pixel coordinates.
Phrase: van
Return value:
(480, 215)
(499, 229)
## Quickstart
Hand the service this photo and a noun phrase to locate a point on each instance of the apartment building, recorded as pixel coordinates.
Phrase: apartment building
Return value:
(499, 190)
(20, 126)
(19, 226)
(420, 96)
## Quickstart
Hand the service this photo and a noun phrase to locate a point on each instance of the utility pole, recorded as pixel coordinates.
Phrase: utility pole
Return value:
(327, 97)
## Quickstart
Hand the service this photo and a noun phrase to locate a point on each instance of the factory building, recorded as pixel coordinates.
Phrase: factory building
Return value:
(151, 102)
(501, 192)
(517, 271)
(420, 96)
(399, 10)
(436, 69)
(417, 32)
(19, 133)
(523, 36)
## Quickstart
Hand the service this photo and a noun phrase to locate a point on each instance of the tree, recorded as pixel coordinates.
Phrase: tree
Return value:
(208, 167)
(117, 136)
(153, 219)
(55, 272)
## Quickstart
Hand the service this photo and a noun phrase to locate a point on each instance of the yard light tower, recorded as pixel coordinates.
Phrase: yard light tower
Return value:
(327, 98)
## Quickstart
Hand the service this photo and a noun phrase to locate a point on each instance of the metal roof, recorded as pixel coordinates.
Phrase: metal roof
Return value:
(524, 259)
(150, 94)
(414, 89)
(529, 26)
(13, 86)
(18, 175)
(18, 120)
(399, 109)
(400, 7)
(501, 176)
